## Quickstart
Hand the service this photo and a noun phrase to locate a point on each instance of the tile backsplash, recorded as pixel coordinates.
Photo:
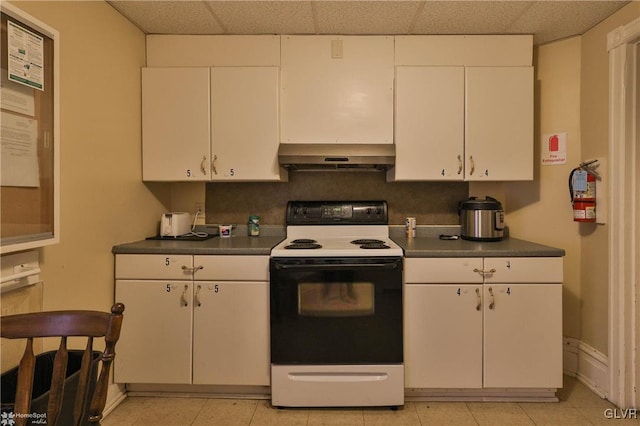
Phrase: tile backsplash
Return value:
(429, 202)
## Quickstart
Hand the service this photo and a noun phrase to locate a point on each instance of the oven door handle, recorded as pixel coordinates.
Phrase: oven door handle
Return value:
(280, 266)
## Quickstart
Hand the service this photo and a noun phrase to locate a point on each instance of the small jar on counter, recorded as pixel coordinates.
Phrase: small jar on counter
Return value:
(253, 226)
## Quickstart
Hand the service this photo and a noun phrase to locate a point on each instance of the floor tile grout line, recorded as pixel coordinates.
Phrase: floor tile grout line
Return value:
(466, 404)
(255, 409)
(195, 418)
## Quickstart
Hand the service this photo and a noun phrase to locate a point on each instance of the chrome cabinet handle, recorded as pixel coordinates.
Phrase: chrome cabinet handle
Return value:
(213, 165)
(203, 165)
(197, 296)
(479, 305)
(185, 302)
(492, 305)
(459, 164)
(192, 270)
(473, 165)
(483, 272)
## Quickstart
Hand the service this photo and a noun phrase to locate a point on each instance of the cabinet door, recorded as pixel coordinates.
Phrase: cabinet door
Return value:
(429, 123)
(175, 124)
(443, 336)
(337, 89)
(244, 119)
(155, 343)
(231, 333)
(523, 335)
(499, 123)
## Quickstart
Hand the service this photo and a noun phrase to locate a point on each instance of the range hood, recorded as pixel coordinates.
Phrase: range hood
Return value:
(337, 156)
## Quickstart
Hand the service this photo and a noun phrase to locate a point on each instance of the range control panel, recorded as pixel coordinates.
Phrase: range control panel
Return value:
(337, 212)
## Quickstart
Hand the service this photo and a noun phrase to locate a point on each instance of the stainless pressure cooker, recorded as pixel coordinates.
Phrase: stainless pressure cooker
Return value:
(481, 220)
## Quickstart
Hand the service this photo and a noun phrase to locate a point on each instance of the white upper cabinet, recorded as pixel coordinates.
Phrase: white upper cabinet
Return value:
(463, 108)
(337, 89)
(210, 108)
(244, 119)
(429, 123)
(499, 123)
(175, 124)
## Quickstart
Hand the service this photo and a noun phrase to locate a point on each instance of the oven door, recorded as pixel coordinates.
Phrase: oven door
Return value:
(336, 310)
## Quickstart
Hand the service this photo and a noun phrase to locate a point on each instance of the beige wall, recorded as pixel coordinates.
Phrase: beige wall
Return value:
(594, 114)
(103, 199)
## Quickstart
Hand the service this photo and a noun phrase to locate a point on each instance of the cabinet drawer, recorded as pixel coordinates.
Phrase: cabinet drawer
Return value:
(523, 269)
(153, 266)
(442, 270)
(232, 268)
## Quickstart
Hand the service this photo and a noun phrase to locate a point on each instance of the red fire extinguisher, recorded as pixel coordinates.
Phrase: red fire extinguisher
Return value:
(582, 187)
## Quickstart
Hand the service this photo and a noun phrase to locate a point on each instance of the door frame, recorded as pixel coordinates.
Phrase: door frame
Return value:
(623, 45)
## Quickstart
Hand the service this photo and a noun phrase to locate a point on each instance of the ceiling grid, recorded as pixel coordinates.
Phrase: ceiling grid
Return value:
(546, 20)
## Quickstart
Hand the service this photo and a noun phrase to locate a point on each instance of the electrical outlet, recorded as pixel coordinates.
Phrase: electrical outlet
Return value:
(199, 213)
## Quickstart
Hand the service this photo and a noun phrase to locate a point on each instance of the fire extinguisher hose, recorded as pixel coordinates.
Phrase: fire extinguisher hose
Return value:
(571, 183)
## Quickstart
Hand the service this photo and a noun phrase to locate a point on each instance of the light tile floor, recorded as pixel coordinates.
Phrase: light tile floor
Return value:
(577, 406)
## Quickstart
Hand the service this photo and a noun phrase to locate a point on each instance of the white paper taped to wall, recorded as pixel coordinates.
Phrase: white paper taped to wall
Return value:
(18, 151)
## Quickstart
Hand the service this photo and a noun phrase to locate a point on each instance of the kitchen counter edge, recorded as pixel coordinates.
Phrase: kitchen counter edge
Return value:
(243, 246)
(412, 247)
(508, 247)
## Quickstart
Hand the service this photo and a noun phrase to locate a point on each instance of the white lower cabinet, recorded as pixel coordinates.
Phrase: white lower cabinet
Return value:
(211, 330)
(155, 342)
(443, 336)
(474, 323)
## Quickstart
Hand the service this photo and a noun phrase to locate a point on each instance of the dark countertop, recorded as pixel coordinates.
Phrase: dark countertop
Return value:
(426, 244)
(238, 245)
(509, 247)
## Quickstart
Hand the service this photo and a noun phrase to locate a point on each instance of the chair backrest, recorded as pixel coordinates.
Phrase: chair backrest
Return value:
(63, 324)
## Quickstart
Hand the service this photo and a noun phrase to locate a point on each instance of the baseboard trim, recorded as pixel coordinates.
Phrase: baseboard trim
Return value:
(586, 364)
(116, 394)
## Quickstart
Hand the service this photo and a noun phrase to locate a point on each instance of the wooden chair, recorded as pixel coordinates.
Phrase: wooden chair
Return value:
(63, 324)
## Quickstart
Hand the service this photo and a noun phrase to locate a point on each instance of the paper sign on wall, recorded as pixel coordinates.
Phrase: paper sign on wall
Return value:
(19, 151)
(25, 51)
(554, 149)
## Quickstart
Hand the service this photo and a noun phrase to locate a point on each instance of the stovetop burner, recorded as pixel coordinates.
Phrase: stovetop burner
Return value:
(302, 246)
(367, 241)
(304, 241)
(380, 245)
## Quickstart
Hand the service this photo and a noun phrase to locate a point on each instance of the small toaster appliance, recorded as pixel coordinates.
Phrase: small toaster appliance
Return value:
(175, 224)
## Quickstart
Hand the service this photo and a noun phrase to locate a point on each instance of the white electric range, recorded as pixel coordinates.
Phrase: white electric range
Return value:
(336, 307)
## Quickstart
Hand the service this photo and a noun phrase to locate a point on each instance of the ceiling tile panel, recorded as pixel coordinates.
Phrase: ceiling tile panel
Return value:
(548, 20)
(264, 17)
(553, 20)
(169, 17)
(468, 17)
(365, 17)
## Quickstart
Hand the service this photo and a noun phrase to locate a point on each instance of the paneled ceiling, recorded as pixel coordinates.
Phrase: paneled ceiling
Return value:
(546, 20)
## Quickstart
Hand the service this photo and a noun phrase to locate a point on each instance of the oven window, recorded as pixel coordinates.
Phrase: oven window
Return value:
(339, 299)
